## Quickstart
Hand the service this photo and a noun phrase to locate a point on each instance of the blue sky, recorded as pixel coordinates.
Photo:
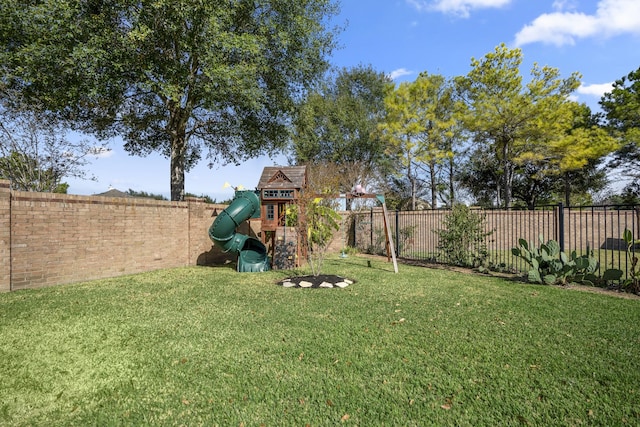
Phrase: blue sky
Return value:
(598, 38)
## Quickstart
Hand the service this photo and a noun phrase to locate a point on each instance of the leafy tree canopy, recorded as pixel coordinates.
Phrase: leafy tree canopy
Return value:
(336, 124)
(419, 128)
(622, 111)
(186, 78)
(509, 116)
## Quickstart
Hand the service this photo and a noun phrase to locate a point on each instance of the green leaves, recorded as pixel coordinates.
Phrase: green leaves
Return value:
(462, 240)
(336, 123)
(621, 107)
(627, 236)
(550, 266)
(522, 124)
(418, 128)
(170, 76)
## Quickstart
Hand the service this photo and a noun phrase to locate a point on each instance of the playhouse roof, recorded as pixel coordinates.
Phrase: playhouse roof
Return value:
(277, 177)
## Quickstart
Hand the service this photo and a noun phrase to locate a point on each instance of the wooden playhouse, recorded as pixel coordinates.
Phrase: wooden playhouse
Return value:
(280, 188)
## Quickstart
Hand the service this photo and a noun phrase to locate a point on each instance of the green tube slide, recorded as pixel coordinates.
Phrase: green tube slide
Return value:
(252, 254)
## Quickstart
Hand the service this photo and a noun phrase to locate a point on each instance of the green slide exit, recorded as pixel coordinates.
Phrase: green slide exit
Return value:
(252, 254)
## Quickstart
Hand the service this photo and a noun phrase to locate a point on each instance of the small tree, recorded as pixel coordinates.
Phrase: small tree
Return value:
(36, 156)
(322, 222)
(317, 218)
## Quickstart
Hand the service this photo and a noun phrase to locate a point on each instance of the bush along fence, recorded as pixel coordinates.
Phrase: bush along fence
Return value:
(486, 238)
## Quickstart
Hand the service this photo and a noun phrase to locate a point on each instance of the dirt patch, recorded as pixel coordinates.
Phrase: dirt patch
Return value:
(522, 279)
(603, 291)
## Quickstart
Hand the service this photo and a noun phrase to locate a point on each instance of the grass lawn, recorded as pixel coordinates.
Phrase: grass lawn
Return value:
(209, 346)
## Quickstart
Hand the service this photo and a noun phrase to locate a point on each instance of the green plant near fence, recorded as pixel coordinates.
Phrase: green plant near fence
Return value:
(404, 235)
(551, 266)
(462, 240)
(632, 282)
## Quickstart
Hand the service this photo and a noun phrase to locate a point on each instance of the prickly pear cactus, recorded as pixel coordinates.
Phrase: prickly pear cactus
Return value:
(549, 265)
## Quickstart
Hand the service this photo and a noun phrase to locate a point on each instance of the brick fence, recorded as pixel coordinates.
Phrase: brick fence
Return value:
(49, 239)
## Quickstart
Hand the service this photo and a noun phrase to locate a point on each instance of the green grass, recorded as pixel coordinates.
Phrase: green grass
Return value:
(209, 346)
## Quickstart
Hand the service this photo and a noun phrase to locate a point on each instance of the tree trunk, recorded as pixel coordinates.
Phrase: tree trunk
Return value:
(412, 180)
(348, 204)
(452, 195)
(434, 187)
(531, 203)
(507, 176)
(567, 190)
(178, 148)
(177, 130)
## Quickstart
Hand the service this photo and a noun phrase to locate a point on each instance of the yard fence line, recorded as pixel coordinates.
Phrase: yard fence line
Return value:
(583, 229)
(49, 239)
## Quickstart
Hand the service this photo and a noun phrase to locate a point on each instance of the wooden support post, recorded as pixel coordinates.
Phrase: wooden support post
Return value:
(387, 231)
(387, 227)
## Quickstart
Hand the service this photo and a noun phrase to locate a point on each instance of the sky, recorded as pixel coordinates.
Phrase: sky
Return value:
(600, 39)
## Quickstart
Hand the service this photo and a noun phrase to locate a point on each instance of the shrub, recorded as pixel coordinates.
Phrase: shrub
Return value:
(632, 282)
(379, 245)
(462, 240)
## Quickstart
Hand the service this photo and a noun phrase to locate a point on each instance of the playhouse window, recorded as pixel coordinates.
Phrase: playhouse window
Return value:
(270, 212)
(277, 194)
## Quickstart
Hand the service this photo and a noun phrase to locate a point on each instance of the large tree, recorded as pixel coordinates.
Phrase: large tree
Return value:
(508, 117)
(622, 110)
(558, 165)
(566, 158)
(400, 129)
(184, 77)
(336, 124)
(437, 113)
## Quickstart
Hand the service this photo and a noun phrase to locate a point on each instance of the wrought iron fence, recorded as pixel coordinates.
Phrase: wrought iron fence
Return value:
(584, 229)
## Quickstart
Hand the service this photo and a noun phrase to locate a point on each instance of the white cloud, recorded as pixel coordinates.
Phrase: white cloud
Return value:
(558, 28)
(596, 90)
(460, 8)
(612, 17)
(399, 73)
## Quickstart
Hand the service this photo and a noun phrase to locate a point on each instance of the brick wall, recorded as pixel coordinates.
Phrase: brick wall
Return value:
(48, 239)
(5, 236)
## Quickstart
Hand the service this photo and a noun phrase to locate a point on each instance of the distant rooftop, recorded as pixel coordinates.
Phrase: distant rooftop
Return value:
(113, 192)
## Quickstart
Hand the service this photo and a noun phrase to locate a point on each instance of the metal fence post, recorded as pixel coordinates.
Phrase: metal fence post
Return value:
(371, 228)
(560, 226)
(397, 233)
